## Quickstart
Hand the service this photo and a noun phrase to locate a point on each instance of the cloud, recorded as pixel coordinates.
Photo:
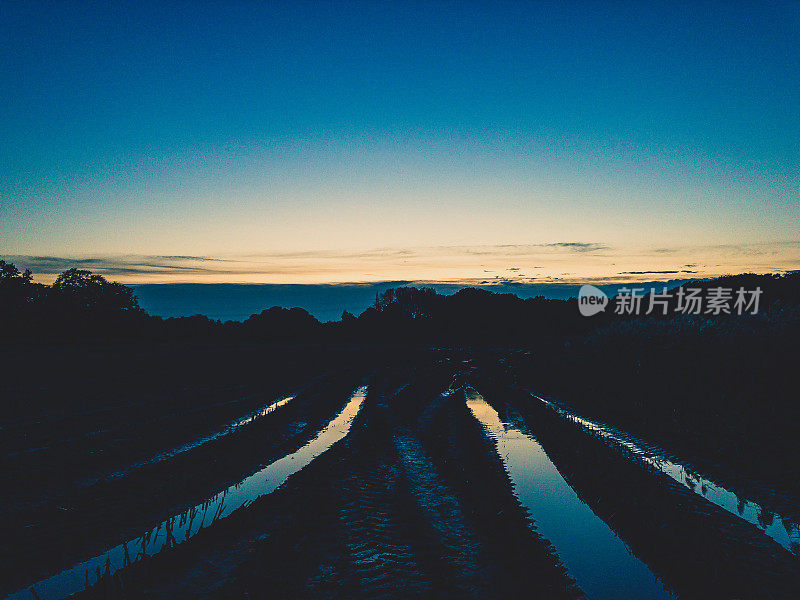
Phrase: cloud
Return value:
(300, 262)
(578, 246)
(747, 249)
(116, 265)
(522, 250)
(654, 272)
(197, 258)
(133, 265)
(574, 260)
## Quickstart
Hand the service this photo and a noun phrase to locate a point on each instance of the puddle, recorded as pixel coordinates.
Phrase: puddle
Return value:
(601, 563)
(228, 429)
(781, 529)
(181, 527)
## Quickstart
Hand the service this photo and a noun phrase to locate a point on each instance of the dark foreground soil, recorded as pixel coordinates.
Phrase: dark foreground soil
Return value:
(395, 510)
(63, 448)
(698, 549)
(413, 503)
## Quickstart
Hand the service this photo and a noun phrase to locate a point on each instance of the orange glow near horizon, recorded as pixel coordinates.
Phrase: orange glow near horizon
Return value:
(470, 265)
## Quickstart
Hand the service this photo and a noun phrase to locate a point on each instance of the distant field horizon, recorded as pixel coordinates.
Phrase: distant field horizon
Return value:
(237, 301)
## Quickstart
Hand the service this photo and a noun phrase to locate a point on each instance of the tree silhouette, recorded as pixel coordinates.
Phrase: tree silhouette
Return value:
(18, 294)
(10, 273)
(83, 290)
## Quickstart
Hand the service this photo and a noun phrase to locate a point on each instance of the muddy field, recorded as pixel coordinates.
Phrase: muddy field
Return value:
(410, 475)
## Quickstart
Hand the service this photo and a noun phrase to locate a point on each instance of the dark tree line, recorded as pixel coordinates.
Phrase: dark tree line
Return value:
(722, 386)
(78, 303)
(83, 304)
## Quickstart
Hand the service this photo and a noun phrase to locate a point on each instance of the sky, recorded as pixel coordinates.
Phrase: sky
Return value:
(325, 142)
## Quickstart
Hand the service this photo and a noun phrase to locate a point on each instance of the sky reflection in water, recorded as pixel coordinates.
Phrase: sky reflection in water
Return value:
(780, 528)
(600, 562)
(181, 527)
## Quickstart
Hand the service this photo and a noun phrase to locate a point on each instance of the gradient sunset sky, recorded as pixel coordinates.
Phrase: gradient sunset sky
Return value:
(440, 141)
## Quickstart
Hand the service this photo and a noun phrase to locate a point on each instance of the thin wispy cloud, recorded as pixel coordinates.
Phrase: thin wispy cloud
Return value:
(655, 272)
(534, 249)
(550, 261)
(578, 246)
(116, 265)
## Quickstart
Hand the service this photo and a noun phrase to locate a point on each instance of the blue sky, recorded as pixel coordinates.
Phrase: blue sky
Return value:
(342, 131)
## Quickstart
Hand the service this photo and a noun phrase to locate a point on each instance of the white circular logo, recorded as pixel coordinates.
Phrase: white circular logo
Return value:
(591, 300)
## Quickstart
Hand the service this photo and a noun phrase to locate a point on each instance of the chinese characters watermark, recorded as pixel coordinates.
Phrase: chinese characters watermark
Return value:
(682, 300)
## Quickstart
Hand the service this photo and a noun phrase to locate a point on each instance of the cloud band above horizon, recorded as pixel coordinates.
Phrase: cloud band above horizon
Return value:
(533, 263)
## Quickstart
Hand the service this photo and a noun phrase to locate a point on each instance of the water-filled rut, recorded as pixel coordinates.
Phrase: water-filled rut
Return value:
(781, 528)
(181, 527)
(229, 429)
(601, 563)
